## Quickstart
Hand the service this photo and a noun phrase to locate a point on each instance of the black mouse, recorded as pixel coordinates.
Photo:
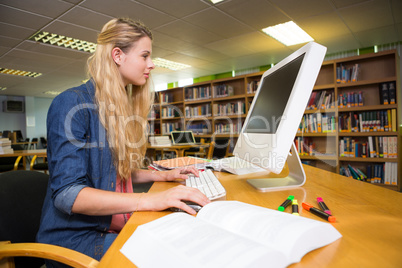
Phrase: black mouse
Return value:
(193, 205)
(209, 167)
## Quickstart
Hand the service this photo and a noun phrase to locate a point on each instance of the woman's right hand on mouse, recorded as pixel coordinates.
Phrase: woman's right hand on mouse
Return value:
(173, 197)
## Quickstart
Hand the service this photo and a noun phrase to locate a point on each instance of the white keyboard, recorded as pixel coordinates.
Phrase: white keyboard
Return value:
(208, 184)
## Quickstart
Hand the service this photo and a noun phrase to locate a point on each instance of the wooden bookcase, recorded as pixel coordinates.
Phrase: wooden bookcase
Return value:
(218, 108)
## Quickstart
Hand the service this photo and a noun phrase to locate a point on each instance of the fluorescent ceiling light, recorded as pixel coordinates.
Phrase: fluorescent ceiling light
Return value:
(19, 73)
(63, 41)
(54, 93)
(2, 88)
(216, 1)
(288, 33)
(171, 65)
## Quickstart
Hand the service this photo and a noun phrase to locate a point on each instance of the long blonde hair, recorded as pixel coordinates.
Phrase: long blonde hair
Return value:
(122, 110)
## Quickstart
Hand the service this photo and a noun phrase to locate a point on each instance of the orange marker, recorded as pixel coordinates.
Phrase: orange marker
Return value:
(318, 212)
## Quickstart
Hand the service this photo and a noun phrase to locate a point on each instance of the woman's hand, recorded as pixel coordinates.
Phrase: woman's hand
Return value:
(173, 197)
(178, 173)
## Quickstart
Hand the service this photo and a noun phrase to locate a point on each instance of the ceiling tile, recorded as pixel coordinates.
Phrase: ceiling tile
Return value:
(368, 15)
(257, 41)
(16, 32)
(9, 42)
(167, 42)
(47, 8)
(188, 32)
(340, 43)
(324, 26)
(85, 18)
(396, 7)
(256, 13)
(21, 18)
(378, 36)
(176, 8)
(216, 21)
(126, 8)
(229, 48)
(347, 3)
(295, 10)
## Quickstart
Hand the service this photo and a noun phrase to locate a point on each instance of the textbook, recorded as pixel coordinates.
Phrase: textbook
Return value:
(227, 234)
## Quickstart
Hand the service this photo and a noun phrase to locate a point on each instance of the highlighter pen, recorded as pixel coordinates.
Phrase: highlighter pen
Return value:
(323, 206)
(318, 212)
(295, 207)
(286, 203)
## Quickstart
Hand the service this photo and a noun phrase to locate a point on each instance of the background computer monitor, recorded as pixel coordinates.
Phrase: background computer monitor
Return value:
(277, 108)
(182, 137)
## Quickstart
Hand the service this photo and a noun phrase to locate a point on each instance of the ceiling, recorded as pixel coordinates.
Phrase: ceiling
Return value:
(211, 38)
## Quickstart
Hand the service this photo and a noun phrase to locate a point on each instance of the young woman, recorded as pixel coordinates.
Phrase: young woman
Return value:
(96, 144)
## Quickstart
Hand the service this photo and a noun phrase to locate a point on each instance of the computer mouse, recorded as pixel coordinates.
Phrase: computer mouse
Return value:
(209, 167)
(193, 205)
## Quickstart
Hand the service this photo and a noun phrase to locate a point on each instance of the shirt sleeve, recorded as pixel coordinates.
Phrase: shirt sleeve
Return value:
(64, 201)
(68, 137)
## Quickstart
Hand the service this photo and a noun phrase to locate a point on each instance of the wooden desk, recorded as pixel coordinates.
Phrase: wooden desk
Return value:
(25, 153)
(179, 149)
(368, 216)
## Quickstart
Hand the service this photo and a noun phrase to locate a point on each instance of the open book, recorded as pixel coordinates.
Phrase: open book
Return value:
(227, 234)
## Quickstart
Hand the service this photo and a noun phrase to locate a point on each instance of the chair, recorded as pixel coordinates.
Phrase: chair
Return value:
(19, 136)
(9, 163)
(43, 141)
(219, 149)
(39, 166)
(22, 194)
(34, 141)
(197, 152)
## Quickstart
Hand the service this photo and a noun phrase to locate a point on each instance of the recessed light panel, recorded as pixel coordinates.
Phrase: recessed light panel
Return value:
(63, 41)
(288, 33)
(19, 73)
(171, 65)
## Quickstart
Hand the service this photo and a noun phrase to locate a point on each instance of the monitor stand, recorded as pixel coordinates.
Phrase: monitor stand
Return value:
(295, 178)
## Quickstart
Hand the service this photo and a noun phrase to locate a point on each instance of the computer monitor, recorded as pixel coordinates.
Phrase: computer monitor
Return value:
(274, 116)
(182, 137)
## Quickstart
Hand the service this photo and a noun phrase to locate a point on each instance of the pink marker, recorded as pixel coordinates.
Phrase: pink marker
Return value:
(323, 206)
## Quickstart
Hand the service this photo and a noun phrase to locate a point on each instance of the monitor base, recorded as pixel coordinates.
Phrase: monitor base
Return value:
(295, 178)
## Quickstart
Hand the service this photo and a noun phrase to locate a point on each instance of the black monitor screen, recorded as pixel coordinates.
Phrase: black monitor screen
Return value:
(273, 97)
(183, 137)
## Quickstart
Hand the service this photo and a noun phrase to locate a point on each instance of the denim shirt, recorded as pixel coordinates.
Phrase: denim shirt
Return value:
(78, 156)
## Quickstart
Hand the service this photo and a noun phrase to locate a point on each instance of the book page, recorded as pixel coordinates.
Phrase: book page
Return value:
(181, 240)
(293, 235)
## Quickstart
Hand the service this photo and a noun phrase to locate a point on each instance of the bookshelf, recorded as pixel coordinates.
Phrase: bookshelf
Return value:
(217, 109)
(356, 124)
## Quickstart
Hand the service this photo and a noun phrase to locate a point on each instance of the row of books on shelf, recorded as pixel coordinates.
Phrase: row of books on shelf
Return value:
(166, 97)
(317, 123)
(5, 146)
(383, 120)
(388, 93)
(197, 93)
(385, 173)
(154, 114)
(169, 127)
(231, 108)
(228, 128)
(197, 111)
(170, 111)
(253, 86)
(373, 147)
(346, 74)
(306, 147)
(350, 99)
(223, 90)
(200, 128)
(321, 100)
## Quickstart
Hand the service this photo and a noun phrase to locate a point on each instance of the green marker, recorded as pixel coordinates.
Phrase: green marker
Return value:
(286, 203)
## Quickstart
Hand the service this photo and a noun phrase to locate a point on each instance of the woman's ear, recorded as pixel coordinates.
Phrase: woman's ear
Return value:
(117, 55)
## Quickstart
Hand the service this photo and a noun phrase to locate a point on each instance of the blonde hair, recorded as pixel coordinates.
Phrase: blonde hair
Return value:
(122, 110)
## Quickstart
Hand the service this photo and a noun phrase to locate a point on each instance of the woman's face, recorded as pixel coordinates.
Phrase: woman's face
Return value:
(135, 65)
